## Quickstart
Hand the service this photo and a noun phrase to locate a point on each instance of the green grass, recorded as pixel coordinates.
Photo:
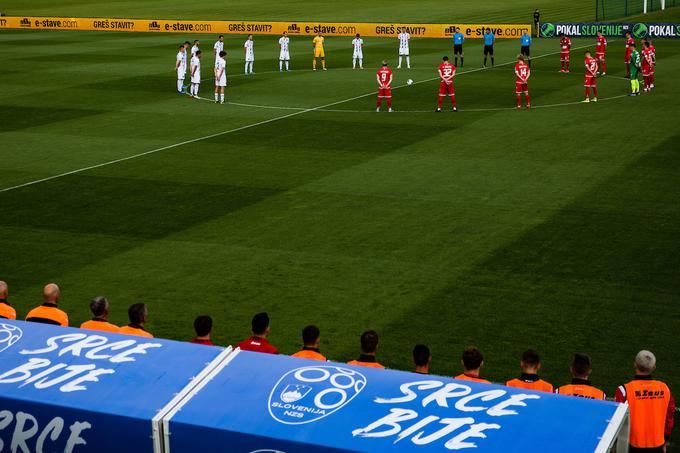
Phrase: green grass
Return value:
(555, 228)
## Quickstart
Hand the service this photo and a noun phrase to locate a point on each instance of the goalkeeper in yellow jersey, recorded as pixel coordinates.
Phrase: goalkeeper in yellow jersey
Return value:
(317, 43)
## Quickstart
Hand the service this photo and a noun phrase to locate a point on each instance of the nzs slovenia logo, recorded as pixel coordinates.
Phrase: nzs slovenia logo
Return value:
(9, 335)
(308, 394)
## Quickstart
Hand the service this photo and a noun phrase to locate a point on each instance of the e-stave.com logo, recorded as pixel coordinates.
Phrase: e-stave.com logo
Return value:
(9, 335)
(308, 394)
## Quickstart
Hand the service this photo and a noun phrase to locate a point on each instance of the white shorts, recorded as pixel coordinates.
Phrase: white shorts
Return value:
(359, 55)
(181, 73)
(222, 82)
(250, 58)
(196, 78)
(284, 55)
(403, 52)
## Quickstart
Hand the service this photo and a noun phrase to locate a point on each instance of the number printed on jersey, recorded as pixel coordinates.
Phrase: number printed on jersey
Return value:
(447, 71)
(523, 70)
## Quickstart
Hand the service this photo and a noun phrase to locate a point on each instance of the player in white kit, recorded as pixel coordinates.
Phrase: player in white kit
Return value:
(358, 46)
(404, 38)
(249, 52)
(195, 47)
(218, 47)
(220, 77)
(284, 54)
(195, 74)
(181, 68)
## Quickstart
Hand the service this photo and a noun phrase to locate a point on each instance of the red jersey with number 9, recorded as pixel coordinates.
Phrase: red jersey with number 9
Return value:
(384, 75)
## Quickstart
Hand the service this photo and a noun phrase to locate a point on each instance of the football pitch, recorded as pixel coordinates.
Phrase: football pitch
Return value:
(556, 228)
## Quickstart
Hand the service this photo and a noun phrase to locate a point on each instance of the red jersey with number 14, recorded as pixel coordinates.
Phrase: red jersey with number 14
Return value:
(522, 72)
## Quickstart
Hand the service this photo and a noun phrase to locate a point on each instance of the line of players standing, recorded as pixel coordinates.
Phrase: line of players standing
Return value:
(635, 63)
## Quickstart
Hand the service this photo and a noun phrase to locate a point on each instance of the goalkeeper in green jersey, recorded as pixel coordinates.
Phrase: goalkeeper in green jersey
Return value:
(635, 66)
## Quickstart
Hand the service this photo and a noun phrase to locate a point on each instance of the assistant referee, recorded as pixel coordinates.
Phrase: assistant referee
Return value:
(458, 39)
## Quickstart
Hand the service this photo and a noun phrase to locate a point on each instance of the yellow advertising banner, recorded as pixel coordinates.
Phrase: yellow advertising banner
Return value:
(261, 28)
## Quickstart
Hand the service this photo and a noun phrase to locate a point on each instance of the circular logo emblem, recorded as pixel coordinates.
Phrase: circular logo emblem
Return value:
(308, 394)
(640, 30)
(547, 30)
(9, 335)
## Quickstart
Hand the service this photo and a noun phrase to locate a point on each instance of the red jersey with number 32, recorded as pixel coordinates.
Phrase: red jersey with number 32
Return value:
(601, 45)
(522, 72)
(384, 75)
(591, 67)
(447, 70)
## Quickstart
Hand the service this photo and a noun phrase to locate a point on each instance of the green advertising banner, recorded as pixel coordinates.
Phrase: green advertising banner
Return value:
(611, 30)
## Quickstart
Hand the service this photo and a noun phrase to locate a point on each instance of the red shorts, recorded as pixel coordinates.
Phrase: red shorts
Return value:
(590, 81)
(626, 59)
(384, 92)
(446, 90)
(599, 55)
(646, 71)
(564, 57)
(521, 87)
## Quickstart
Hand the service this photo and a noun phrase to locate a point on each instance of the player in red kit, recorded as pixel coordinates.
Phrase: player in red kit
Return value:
(522, 72)
(629, 51)
(600, 49)
(647, 66)
(565, 48)
(591, 77)
(384, 78)
(447, 72)
(652, 52)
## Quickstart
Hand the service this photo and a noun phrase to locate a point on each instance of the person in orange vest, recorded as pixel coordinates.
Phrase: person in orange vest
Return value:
(472, 362)
(6, 310)
(529, 379)
(48, 313)
(581, 367)
(651, 407)
(369, 346)
(203, 327)
(99, 307)
(311, 339)
(422, 359)
(138, 314)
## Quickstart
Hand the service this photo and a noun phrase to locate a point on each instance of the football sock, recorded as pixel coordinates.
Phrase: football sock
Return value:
(632, 86)
(314, 63)
(519, 100)
(526, 95)
(455, 61)
(399, 60)
(246, 68)
(222, 97)
(441, 99)
(217, 96)
(196, 90)
(354, 63)
(323, 63)
(286, 65)
(587, 92)
(595, 92)
(484, 61)
(604, 67)
(492, 62)
(361, 63)
(408, 62)
(280, 65)
(627, 70)
(379, 102)
(461, 62)
(389, 103)
(179, 85)
(453, 101)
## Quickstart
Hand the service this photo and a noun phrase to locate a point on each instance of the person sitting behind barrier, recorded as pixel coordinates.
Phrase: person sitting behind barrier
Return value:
(651, 407)
(422, 359)
(311, 339)
(203, 327)
(258, 342)
(6, 310)
(48, 313)
(529, 379)
(99, 306)
(581, 367)
(137, 313)
(369, 346)
(472, 361)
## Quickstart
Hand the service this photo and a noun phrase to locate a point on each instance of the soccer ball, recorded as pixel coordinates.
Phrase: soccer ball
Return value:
(409, 82)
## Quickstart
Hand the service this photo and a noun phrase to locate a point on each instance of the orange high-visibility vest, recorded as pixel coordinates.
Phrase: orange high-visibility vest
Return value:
(539, 385)
(131, 330)
(6, 310)
(583, 390)
(310, 354)
(100, 325)
(48, 314)
(648, 403)
(367, 364)
(465, 377)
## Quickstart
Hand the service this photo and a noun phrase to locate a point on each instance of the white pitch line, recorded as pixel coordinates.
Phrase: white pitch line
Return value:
(230, 131)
